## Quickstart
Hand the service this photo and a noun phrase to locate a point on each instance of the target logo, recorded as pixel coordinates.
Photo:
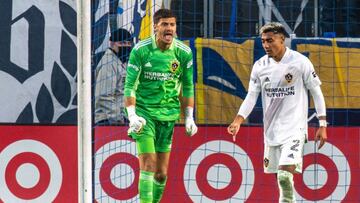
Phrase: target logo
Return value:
(30, 170)
(116, 166)
(214, 161)
(326, 174)
(214, 169)
(37, 165)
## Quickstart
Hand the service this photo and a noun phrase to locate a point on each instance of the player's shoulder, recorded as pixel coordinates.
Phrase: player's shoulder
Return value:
(262, 62)
(143, 44)
(181, 46)
(299, 57)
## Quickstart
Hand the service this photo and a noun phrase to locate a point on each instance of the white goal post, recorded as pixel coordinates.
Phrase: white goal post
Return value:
(84, 101)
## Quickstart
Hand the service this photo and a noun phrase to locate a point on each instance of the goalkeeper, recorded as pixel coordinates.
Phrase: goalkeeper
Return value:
(159, 68)
(283, 77)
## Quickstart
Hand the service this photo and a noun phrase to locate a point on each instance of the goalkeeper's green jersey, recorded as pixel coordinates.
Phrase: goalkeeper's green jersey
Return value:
(156, 77)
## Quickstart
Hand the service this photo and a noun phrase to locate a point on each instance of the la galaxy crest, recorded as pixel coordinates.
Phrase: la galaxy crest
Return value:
(288, 77)
(174, 66)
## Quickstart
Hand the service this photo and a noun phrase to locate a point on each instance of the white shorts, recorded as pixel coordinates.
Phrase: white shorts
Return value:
(290, 153)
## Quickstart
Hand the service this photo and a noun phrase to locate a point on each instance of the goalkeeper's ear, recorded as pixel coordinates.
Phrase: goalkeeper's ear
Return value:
(155, 28)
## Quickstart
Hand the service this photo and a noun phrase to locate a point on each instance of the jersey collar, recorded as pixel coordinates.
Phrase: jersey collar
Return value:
(153, 41)
(286, 54)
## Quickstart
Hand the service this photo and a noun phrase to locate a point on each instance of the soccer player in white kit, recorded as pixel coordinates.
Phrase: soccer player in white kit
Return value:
(283, 77)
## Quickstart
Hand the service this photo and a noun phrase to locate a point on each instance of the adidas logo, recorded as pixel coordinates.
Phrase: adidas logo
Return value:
(267, 79)
(291, 156)
(148, 65)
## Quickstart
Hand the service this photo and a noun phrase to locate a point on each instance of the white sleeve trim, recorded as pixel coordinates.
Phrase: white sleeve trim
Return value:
(248, 104)
(319, 100)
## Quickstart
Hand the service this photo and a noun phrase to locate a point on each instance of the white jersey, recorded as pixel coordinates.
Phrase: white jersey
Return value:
(284, 91)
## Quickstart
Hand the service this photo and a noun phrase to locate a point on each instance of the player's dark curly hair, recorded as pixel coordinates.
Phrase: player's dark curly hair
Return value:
(162, 13)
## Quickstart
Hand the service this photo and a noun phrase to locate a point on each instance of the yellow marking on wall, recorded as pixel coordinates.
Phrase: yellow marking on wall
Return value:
(146, 23)
(199, 86)
(213, 104)
(239, 56)
(323, 58)
(338, 67)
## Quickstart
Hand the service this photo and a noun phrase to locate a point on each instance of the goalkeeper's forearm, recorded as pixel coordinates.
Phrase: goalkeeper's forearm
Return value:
(129, 101)
(188, 106)
(187, 102)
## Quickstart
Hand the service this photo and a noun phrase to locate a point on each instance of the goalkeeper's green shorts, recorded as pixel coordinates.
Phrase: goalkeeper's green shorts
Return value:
(156, 136)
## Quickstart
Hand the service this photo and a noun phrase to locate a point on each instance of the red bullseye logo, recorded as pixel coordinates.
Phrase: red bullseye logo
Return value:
(211, 162)
(323, 178)
(30, 171)
(115, 172)
(225, 164)
(23, 175)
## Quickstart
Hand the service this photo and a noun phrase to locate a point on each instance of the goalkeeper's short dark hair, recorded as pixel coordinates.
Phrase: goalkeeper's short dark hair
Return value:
(275, 27)
(162, 13)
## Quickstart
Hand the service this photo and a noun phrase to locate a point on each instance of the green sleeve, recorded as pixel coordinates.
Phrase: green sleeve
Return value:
(133, 71)
(187, 80)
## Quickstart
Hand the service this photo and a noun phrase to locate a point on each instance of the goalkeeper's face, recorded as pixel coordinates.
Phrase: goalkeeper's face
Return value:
(165, 30)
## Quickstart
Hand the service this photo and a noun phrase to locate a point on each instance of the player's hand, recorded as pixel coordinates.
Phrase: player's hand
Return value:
(190, 126)
(321, 136)
(136, 123)
(234, 127)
